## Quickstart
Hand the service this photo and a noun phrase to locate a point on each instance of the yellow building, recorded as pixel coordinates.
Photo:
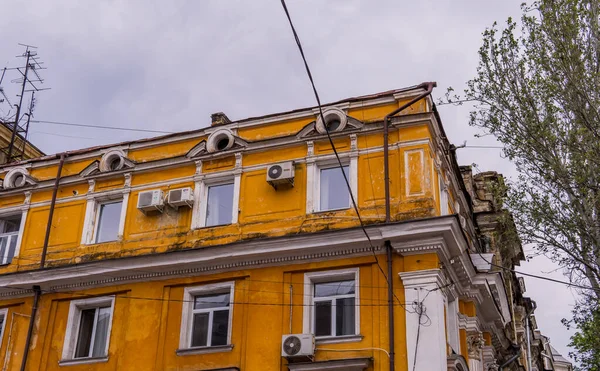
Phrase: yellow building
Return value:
(23, 149)
(207, 249)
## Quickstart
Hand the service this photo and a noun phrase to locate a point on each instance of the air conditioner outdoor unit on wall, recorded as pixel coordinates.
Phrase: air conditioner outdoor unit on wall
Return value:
(149, 201)
(298, 345)
(181, 197)
(281, 174)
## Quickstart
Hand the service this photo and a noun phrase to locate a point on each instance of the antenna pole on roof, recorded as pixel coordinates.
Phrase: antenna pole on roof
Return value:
(28, 80)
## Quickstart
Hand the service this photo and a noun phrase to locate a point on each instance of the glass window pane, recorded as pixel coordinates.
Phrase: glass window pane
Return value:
(220, 327)
(4, 249)
(334, 288)
(84, 337)
(8, 244)
(323, 318)
(345, 312)
(108, 222)
(219, 206)
(101, 336)
(10, 224)
(211, 301)
(200, 330)
(334, 191)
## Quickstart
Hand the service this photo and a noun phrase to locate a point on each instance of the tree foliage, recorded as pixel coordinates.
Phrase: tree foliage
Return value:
(537, 90)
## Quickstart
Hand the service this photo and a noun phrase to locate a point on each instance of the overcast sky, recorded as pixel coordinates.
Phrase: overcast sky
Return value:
(169, 65)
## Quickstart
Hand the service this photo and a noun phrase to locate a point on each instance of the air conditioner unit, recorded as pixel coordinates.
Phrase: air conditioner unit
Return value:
(281, 174)
(149, 201)
(298, 345)
(181, 197)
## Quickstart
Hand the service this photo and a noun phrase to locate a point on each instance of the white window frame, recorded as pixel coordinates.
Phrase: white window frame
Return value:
(452, 324)
(187, 312)
(329, 276)
(4, 315)
(92, 215)
(443, 194)
(73, 322)
(313, 180)
(14, 212)
(201, 198)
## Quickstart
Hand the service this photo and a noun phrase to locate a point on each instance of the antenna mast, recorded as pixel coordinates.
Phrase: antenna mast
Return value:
(28, 81)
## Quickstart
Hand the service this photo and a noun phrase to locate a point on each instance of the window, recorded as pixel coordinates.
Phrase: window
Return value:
(206, 316)
(88, 329)
(210, 320)
(334, 308)
(219, 205)
(109, 218)
(105, 213)
(3, 319)
(93, 331)
(9, 235)
(333, 190)
(331, 305)
(326, 188)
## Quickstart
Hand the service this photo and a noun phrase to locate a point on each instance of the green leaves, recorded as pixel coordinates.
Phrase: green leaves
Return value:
(537, 89)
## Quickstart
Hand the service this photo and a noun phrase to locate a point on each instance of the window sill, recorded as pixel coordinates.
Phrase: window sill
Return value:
(204, 350)
(81, 361)
(338, 339)
(332, 210)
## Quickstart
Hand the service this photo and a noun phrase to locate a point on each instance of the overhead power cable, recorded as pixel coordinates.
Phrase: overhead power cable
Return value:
(101, 127)
(540, 277)
(337, 156)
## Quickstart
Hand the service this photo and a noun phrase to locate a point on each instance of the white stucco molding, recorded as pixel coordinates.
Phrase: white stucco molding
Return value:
(456, 362)
(494, 304)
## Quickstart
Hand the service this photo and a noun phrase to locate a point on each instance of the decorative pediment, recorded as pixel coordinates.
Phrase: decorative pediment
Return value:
(198, 150)
(334, 120)
(221, 140)
(113, 160)
(17, 177)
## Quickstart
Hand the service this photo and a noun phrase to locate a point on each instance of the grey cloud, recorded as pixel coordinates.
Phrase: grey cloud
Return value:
(169, 65)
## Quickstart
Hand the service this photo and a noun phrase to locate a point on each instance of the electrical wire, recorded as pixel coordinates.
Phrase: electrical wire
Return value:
(337, 156)
(540, 277)
(232, 302)
(101, 127)
(353, 350)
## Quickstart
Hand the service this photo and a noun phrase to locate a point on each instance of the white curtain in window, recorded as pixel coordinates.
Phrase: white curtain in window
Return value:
(101, 336)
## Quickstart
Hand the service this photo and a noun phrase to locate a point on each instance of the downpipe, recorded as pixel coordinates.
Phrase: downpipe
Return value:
(428, 86)
(390, 285)
(36, 289)
(36, 298)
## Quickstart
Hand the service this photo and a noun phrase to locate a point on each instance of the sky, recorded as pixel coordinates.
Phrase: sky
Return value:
(169, 65)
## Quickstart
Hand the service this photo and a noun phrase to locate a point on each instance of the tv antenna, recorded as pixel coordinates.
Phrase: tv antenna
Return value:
(29, 80)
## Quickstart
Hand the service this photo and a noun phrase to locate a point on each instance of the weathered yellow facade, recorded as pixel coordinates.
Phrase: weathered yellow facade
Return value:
(276, 238)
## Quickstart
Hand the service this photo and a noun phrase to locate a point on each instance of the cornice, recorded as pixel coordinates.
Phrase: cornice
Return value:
(230, 257)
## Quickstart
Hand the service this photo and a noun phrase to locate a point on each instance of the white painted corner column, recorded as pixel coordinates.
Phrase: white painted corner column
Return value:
(424, 287)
